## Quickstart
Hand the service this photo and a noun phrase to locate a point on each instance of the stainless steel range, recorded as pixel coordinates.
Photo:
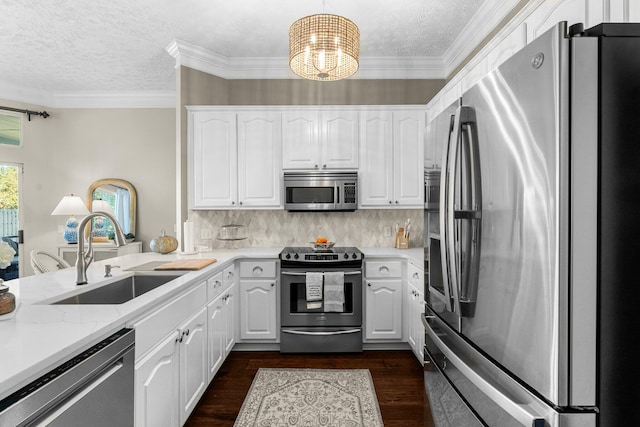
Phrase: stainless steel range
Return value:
(321, 300)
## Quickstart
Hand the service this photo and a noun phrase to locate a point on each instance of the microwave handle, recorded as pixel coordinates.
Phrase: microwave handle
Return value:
(337, 200)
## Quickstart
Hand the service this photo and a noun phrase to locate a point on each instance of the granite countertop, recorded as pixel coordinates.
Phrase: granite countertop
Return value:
(37, 337)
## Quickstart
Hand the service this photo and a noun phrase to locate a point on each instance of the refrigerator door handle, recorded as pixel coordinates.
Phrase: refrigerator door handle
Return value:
(520, 412)
(447, 180)
(471, 214)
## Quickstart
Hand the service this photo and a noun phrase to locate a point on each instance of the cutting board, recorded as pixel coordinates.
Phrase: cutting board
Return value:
(186, 264)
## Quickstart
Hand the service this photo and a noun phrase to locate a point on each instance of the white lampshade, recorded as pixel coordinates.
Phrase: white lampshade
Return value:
(101, 206)
(71, 205)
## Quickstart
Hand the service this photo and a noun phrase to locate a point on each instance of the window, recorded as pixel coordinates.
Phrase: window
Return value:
(10, 129)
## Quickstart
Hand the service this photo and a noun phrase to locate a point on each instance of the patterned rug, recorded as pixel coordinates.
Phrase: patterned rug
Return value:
(311, 398)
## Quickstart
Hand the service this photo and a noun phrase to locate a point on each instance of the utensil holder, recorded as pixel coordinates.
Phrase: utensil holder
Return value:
(401, 241)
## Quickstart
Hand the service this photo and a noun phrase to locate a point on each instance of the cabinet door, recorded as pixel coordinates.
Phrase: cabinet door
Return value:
(230, 309)
(383, 317)
(408, 157)
(430, 145)
(300, 140)
(376, 158)
(213, 159)
(412, 310)
(259, 159)
(258, 309)
(419, 351)
(339, 140)
(194, 376)
(157, 386)
(216, 331)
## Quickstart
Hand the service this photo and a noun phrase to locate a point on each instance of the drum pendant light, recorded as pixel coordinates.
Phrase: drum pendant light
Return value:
(324, 47)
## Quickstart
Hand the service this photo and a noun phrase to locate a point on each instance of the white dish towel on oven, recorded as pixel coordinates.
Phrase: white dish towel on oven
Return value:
(314, 289)
(334, 291)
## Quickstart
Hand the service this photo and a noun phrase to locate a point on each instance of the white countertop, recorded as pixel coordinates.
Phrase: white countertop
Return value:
(37, 337)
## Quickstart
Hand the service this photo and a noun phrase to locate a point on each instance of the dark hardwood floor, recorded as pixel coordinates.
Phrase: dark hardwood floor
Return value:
(397, 376)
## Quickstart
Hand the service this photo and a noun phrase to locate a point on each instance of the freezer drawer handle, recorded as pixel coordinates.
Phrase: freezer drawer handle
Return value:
(517, 411)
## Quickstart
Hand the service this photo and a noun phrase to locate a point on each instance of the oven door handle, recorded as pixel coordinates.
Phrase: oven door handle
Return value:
(321, 333)
(292, 273)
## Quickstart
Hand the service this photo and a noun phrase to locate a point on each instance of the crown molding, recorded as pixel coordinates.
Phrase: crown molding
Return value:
(88, 99)
(163, 99)
(483, 22)
(201, 59)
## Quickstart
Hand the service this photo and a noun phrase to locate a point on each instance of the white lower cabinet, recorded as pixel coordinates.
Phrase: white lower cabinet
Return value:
(217, 331)
(414, 308)
(157, 386)
(383, 300)
(383, 317)
(258, 301)
(171, 376)
(258, 313)
(221, 314)
(194, 378)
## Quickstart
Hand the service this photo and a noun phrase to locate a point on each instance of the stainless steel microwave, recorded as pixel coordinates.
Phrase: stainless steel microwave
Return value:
(321, 191)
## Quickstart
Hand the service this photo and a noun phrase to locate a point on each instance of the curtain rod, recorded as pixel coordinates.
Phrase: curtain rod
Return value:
(29, 113)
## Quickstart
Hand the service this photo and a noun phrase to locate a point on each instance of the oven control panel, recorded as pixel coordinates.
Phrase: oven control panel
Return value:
(335, 255)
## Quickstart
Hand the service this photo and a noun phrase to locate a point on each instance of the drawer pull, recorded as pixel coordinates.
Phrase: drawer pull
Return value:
(257, 271)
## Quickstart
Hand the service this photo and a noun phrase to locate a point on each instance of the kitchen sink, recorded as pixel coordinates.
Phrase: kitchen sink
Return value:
(120, 291)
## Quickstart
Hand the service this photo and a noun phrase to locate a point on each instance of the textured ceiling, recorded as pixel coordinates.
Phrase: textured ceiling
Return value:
(61, 46)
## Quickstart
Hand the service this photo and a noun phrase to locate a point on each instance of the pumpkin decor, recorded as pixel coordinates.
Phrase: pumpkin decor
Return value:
(164, 244)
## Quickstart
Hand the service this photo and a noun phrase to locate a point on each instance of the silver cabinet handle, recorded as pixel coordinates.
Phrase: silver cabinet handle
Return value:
(416, 275)
(257, 271)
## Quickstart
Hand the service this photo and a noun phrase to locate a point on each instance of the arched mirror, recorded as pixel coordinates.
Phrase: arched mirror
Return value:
(117, 197)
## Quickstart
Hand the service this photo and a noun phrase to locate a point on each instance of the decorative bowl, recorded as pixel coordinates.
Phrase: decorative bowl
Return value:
(322, 246)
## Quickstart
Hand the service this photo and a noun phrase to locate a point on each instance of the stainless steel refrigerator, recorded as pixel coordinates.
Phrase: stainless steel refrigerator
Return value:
(532, 295)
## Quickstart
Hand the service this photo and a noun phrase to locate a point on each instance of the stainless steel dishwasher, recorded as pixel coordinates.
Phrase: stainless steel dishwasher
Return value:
(94, 388)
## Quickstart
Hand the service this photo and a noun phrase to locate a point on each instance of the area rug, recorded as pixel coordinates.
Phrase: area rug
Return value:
(311, 398)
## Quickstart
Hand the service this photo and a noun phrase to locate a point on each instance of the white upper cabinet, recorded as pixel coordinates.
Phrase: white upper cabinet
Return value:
(320, 139)
(300, 140)
(391, 170)
(213, 159)
(234, 159)
(408, 127)
(259, 159)
(376, 158)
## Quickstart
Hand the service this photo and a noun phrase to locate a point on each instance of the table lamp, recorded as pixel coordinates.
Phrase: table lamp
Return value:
(71, 205)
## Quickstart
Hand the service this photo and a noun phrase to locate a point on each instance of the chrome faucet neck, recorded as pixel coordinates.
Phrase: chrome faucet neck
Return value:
(84, 259)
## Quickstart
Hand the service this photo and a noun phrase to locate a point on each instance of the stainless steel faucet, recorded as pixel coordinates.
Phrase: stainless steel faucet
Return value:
(84, 259)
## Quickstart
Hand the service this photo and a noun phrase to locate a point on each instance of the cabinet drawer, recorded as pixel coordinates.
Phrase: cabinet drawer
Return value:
(415, 275)
(214, 286)
(375, 269)
(160, 322)
(257, 269)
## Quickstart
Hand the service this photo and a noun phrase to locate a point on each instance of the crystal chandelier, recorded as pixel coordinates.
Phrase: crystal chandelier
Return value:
(324, 47)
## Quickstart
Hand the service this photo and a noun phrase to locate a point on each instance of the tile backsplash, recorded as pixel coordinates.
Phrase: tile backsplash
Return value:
(269, 228)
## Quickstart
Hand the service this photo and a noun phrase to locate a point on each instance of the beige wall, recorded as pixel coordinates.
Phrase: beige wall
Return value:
(199, 88)
(72, 148)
